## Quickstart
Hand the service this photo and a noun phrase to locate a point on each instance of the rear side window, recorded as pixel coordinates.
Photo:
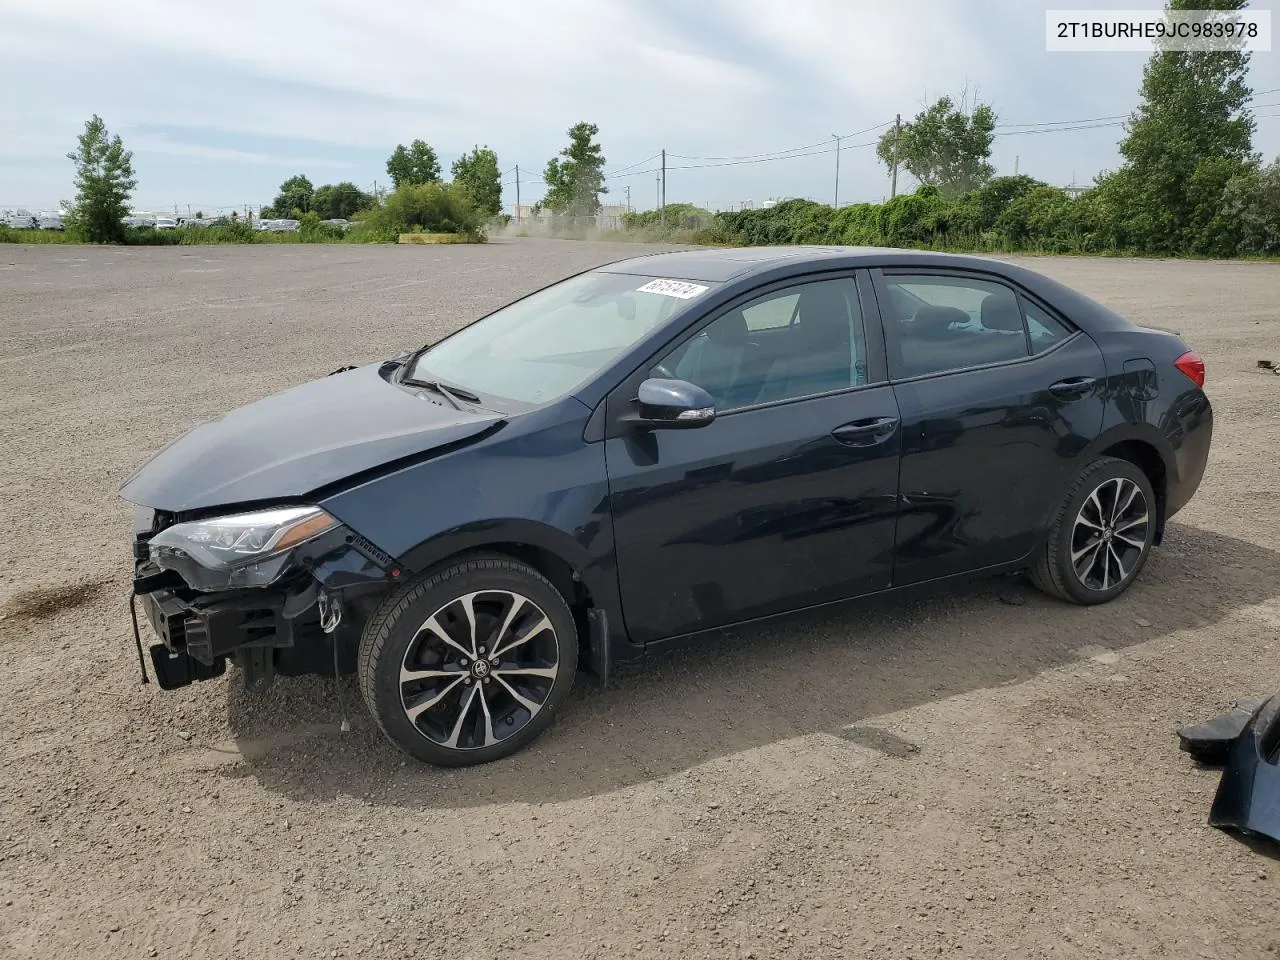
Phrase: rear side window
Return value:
(952, 323)
(1045, 330)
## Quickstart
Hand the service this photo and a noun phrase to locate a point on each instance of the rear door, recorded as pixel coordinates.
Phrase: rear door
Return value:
(998, 395)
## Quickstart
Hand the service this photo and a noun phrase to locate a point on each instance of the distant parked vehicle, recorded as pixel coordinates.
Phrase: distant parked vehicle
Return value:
(137, 221)
(166, 223)
(339, 223)
(22, 220)
(50, 221)
(279, 226)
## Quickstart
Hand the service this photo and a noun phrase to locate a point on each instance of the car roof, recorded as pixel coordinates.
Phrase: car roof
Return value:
(731, 263)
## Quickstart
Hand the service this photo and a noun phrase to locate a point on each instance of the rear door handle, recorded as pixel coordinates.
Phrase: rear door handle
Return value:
(867, 432)
(1073, 387)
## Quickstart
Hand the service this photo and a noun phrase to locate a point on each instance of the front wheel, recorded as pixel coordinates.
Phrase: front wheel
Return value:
(469, 663)
(1101, 536)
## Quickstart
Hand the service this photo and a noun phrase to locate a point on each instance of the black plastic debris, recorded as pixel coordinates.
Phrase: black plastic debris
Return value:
(1248, 798)
(1210, 742)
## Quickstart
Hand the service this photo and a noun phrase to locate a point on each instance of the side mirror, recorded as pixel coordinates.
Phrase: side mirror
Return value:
(673, 405)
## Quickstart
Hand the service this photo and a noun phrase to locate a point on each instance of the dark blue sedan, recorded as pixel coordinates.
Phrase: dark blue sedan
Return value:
(651, 450)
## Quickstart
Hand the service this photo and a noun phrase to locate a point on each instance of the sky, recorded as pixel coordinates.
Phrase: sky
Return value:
(221, 100)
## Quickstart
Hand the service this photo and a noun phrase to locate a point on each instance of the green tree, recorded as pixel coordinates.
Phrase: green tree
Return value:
(414, 165)
(944, 146)
(1251, 202)
(338, 201)
(477, 173)
(104, 182)
(575, 178)
(293, 200)
(1189, 137)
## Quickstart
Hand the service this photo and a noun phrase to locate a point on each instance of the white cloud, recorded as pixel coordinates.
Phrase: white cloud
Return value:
(192, 85)
(158, 144)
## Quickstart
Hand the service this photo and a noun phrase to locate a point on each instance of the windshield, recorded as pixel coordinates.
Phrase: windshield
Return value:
(542, 347)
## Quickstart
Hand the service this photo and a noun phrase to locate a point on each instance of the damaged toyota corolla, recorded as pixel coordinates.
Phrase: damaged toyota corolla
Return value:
(651, 451)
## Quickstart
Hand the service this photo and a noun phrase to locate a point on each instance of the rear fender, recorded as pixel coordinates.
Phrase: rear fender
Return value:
(1140, 432)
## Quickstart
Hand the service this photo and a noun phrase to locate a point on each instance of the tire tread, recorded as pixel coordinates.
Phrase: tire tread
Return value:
(1046, 573)
(378, 630)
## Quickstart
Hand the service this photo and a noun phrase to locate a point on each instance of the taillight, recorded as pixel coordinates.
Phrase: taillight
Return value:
(1191, 364)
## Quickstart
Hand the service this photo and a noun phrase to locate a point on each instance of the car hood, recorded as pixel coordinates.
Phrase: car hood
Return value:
(293, 443)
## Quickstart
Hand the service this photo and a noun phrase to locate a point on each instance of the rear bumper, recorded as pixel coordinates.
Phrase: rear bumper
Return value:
(1189, 426)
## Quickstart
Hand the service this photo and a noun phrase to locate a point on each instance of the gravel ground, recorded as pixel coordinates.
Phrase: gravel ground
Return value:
(982, 773)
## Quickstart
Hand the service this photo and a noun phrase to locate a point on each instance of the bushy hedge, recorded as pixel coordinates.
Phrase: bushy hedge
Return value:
(1241, 217)
(422, 208)
(425, 208)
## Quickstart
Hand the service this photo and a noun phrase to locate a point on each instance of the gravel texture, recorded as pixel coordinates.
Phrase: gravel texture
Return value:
(983, 773)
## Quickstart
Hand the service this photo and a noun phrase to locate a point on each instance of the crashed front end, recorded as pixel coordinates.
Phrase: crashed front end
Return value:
(279, 590)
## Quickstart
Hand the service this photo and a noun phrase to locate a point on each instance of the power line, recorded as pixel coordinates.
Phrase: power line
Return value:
(1085, 126)
(1054, 123)
(779, 154)
(768, 159)
(614, 173)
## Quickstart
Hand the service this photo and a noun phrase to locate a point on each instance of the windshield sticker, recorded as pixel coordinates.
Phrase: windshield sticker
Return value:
(673, 288)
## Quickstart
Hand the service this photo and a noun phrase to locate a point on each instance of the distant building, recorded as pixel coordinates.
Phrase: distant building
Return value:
(524, 211)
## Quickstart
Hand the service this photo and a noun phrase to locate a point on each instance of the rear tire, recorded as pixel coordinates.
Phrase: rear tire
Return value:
(1101, 537)
(469, 663)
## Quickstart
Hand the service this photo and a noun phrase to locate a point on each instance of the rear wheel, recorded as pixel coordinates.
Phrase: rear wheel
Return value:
(1101, 536)
(469, 664)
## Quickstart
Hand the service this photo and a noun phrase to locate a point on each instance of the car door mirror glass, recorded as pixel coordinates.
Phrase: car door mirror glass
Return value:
(673, 404)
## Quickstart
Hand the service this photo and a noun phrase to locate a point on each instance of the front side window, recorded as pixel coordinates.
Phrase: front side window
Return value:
(795, 342)
(543, 347)
(952, 323)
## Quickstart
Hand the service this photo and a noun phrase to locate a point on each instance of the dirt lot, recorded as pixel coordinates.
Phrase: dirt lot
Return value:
(960, 775)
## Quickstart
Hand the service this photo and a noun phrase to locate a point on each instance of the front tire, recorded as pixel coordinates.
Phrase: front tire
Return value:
(1102, 535)
(469, 663)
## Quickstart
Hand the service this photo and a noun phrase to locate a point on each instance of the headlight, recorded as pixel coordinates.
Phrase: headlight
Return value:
(242, 550)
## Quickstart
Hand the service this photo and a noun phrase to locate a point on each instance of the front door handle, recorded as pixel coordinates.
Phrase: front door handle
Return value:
(1073, 387)
(866, 432)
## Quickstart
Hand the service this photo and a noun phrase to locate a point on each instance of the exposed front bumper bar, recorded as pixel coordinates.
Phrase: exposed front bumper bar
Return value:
(265, 629)
(196, 637)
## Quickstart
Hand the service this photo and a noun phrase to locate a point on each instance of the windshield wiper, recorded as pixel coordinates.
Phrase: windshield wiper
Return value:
(452, 394)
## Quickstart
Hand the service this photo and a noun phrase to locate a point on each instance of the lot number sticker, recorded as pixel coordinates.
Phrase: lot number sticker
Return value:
(673, 288)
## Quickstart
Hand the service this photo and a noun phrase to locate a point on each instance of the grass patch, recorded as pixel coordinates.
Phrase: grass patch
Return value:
(436, 238)
(9, 235)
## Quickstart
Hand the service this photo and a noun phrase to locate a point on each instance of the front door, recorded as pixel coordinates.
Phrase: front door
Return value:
(788, 498)
(998, 395)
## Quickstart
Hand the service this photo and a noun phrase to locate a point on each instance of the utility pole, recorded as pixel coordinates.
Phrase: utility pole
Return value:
(657, 187)
(897, 130)
(663, 198)
(1015, 166)
(836, 203)
(628, 198)
(517, 191)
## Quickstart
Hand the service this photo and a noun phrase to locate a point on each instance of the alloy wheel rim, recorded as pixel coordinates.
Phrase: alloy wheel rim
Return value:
(1110, 534)
(479, 669)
